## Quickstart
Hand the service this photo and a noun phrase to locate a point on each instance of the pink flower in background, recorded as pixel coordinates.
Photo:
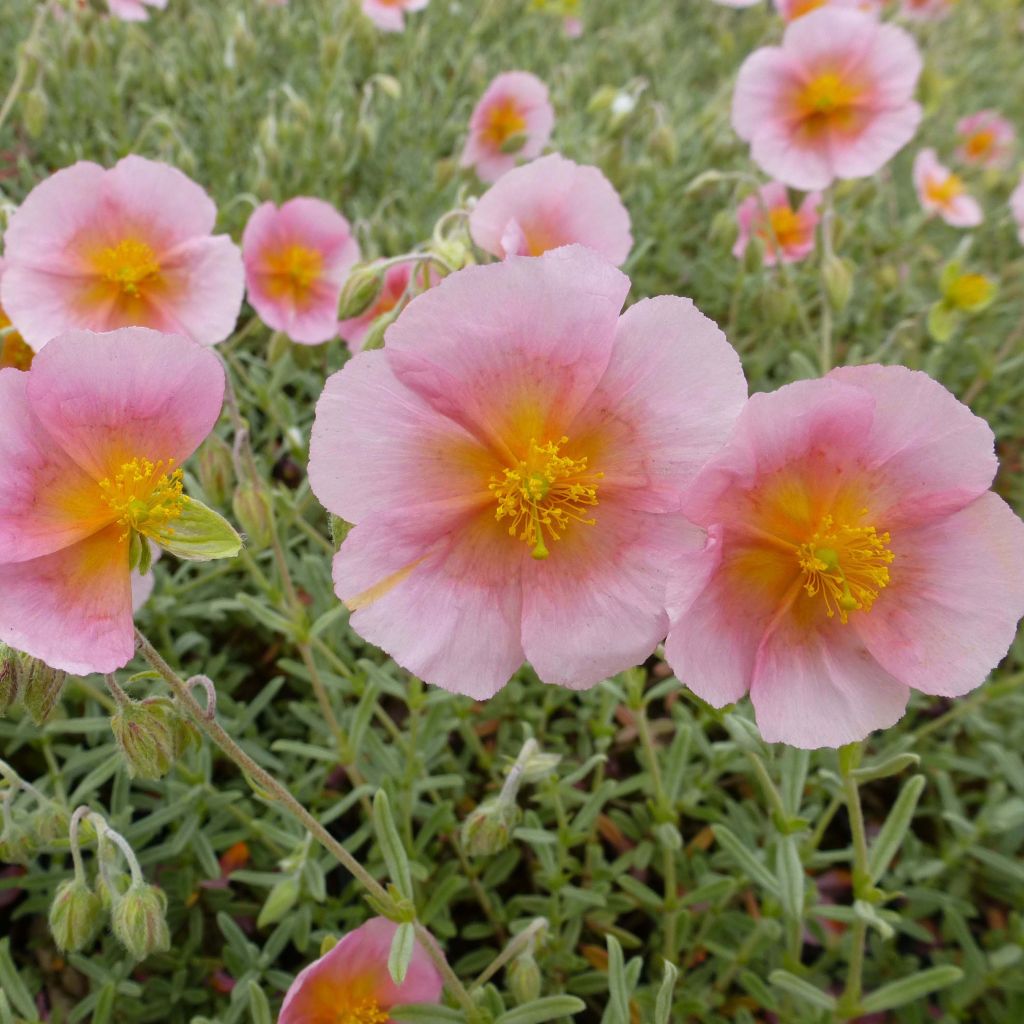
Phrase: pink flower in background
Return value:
(352, 982)
(134, 10)
(514, 460)
(389, 15)
(549, 203)
(737, 3)
(296, 259)
(834, 101)
(986, 139)
(396, 281)
(99, 249)
(511, 123)
(942, 192)
(92, 439)
(786, 233)
(853, 551)
(926, 10)
(1017, 209)
(793, 9)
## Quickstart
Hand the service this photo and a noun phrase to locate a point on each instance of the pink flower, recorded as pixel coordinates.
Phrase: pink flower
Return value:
(511, 123)
(389, 15)
(1017, 209)
(853, 551)
(787, 233)
(92, 439)
(134, 10)
(396, 282)
(834, 101)
(793, 9)
(926, 10)
(549, 203)
(942, 192)
(572, 27)
(352, 982)
(296, 260)
(986, 139)
(126, 247)
(737, 3)
(514, 459)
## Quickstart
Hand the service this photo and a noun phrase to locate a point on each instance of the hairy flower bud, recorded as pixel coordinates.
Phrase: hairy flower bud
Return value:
(838, 282)
(216, 470)
(10, 678)
(139, 921)
(41, 687)
(252, 510)
(488, 828)
(75, 915)
(359, 292)
(145, 733)
(523, 977)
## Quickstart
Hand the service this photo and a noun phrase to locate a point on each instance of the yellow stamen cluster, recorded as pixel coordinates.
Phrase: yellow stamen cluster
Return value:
(504, 120)
(943, 191)
(980, 144)
(847, 565)
(366, 1011)
(301, 265)
(544, 492)
(828, 93)
(785, 226)
(146, 496)
(128, 265)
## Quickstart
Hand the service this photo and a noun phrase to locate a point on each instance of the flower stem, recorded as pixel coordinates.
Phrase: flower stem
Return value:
(849, 757)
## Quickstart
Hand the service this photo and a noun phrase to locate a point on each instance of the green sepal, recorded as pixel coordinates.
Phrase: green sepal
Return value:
(199, 534)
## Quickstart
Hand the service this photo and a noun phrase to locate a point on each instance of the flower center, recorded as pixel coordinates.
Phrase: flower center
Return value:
(300, 266)
(13, 349)
(785, 226)
(980, 143)
(846, 565)
(504, 120)
(146, 496)
(828, 93)
(943, 190)
(366, 1011)
(544, 492)
(802, 7)
(128, 264)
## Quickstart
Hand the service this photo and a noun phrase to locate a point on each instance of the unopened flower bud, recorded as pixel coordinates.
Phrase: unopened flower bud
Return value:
(375, 335)
(489, 828)
(50, 823)
(75, 915)
(145, 733)
(139, 921)
(523, 977)
(34, 112)
(216, 470)
(10, 678)
(838, 282)
(389, 85)
(359, 292)
(41, 687)
(252, 510)
(455, 253)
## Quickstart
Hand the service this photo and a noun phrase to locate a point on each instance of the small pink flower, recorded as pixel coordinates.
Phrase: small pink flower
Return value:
(352, 982)
(92, 439)
(853, 551)
(134, 10)
(514, 459)
(511, 123)
(793, 9)
(1017, 209)
(942, 192)
(549, 203)
(834, 101)
(786, 233)
(986, 139)
(296, 260)
(572, 27)
(926, 10)
(396, 282)
(99, 249)
(389, 15)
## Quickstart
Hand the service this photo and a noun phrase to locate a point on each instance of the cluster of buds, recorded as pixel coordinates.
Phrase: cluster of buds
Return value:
(30, 821)
(28, 681)
(152, 734)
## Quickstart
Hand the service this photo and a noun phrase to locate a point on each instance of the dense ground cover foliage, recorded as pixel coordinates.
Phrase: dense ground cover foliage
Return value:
(628, 848)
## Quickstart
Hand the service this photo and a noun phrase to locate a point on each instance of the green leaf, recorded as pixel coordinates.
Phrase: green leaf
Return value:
(883, 769)
(802, 990)
(791, 876)
(424, 1014)
(754, 869)
(893, 832)
(199, 535)
(12, 985)
(279, 902)
(663, 1006)
(942, 321)
(400, 956)
(259, 1007)
(395, 857)
(618, 986)
(911, 988)
(541, 1010)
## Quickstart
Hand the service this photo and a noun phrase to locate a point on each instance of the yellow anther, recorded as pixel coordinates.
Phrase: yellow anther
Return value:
(128, 264)
(145, 496)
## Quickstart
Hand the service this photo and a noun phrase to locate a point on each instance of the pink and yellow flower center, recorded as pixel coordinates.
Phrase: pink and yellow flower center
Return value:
(145, 496)
(829, 100)
(14, 352)
(980, 144)
(295, 269)
(544, 493)
(786, 229)
(802, 7)
(128, 265)
(942, 191)
(364, 1011)
(847, 566)
(504, 120)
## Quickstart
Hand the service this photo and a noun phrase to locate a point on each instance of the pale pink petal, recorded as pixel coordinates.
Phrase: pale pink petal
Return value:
(73, 608)
(964, 212)
(386, 16)
(131, 394)
(957, 593)
(765, 82)
(1017, 209)
(888, 131)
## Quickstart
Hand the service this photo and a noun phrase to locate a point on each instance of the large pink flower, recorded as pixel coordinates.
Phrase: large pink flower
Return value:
(514, 460)
(511, 123)
(352, 982)
(986, 139)
(942, 192)
(389, 15)
(834, 101)
(853, 551)
(134, 10)
(99, 249)
(787, 234)
(793, 9)
(92, 439)
(296, 260)
(1017, 209)
(549, 203)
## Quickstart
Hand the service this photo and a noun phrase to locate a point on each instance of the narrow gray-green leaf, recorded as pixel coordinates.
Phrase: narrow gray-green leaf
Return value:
(791, 876)
(259, 1007)
(893, 832)
(909, 989)
(663, 1005)
(539, 1011)
(395, 857)
(754, 869)
(402, 946)
(803, 990)
(618, 986)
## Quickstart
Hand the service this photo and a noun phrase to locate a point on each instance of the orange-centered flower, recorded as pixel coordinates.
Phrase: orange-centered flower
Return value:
(787, 228)
(943, 190)
(504, 120)
(828, 101)
(128, 266)
(293, 271)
